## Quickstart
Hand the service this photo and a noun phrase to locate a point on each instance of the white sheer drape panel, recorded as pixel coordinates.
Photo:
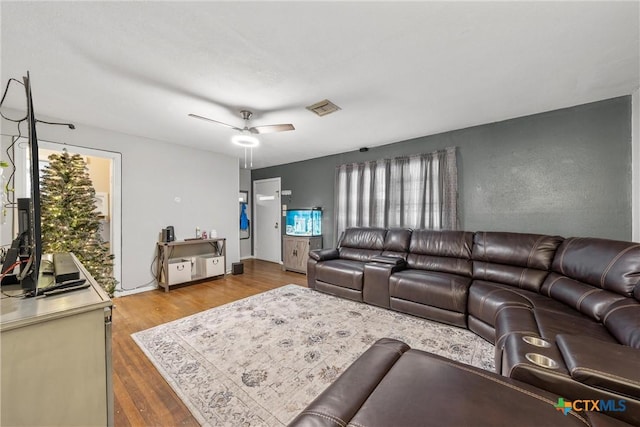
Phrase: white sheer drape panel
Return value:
(414, 192)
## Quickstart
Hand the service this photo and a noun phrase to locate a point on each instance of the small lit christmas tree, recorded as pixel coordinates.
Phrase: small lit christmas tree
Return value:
(70, 222)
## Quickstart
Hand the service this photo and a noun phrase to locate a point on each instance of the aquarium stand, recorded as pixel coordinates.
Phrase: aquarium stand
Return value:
(296, 251)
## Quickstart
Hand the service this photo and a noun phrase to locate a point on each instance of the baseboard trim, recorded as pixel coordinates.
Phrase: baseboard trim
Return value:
(125, 292)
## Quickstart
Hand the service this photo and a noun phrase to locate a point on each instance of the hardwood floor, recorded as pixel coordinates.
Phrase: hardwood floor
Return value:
(142, 397)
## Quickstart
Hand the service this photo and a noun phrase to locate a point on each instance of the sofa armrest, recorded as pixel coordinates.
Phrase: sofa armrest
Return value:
(600, 364)
(324, 254)
(391, 260)
(337, 405)
(376, 279)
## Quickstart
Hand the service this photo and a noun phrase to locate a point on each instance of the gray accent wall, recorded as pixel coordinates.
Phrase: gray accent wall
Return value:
(565, 172)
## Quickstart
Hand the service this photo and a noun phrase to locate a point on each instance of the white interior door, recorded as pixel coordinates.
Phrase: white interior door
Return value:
(267, 220)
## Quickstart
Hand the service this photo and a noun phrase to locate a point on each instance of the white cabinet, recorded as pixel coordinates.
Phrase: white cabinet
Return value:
(296, 251)
(56, 358)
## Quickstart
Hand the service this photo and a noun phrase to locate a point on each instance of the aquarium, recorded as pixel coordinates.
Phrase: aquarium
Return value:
(304, 222)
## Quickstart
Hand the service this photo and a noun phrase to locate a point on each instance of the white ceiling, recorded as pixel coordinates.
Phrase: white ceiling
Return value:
(397, 70)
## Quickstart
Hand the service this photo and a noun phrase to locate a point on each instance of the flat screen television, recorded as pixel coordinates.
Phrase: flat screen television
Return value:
(29, 230)
(304, 222)
(35, 231)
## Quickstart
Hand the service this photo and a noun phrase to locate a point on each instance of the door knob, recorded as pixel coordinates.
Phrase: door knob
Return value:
(275, 226)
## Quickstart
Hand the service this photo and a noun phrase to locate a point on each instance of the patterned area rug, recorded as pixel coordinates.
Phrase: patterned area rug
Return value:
(261, 360)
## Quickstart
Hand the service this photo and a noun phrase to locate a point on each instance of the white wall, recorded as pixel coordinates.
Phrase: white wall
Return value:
(635, 165)
(154, 174)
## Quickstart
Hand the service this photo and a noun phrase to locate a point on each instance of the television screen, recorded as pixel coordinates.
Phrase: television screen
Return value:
(31, 264)
(304, 222)
(26, 249)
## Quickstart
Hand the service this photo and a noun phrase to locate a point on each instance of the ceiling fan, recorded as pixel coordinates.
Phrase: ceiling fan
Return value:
(246, 115)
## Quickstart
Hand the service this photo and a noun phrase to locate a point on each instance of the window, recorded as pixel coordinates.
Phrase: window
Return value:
(413, 192)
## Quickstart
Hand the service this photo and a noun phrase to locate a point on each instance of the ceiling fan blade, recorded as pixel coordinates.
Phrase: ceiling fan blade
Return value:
(272, 128)
(213, 121)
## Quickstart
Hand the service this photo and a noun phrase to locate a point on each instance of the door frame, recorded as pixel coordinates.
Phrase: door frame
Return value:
(115, 203)
(256, 222)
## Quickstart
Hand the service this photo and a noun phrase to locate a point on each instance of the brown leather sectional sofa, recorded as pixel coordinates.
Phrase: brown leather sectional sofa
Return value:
(578, 296)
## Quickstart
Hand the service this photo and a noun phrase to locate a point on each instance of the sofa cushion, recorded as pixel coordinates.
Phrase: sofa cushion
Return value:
(341, 272)
(444, 251)
(516, 259)
(360, 244)
(396, 243)
(525, 250)
(486, 299)
(442, 290)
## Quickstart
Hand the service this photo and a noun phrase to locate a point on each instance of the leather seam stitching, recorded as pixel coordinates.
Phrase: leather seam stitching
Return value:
(484, 299)
(616, 309)
(521, 279)
(533, 249)
(511, 386)
(384, 346)
(564, 251)
(605, 374)
(530, 366)
(507, 304)
(484, 246)
(517, 332)
(612, 263)
(330, 417)
(504, 307)
(585, 295)
(553, 283)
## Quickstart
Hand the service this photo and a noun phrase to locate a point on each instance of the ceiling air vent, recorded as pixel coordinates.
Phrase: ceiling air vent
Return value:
(323, 108)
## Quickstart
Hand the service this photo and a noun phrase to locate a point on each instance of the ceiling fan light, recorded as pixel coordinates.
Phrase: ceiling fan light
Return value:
(245, 140)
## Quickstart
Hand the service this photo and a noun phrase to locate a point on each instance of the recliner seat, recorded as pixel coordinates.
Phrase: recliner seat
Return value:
(341, 272)
(436, 281)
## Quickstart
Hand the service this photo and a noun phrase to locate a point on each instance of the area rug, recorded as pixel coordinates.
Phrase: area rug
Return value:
(259, 361)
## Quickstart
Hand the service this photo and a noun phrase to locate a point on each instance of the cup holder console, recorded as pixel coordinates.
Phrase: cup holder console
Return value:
(535, 341)
(540, 360)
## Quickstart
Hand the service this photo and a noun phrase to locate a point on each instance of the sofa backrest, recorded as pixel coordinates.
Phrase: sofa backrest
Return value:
(396, 242)
(601, 279)
(361, 244)
(441, 250)
(515, 259)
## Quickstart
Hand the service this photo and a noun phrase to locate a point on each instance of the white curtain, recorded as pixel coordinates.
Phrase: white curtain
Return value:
(418, 191)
